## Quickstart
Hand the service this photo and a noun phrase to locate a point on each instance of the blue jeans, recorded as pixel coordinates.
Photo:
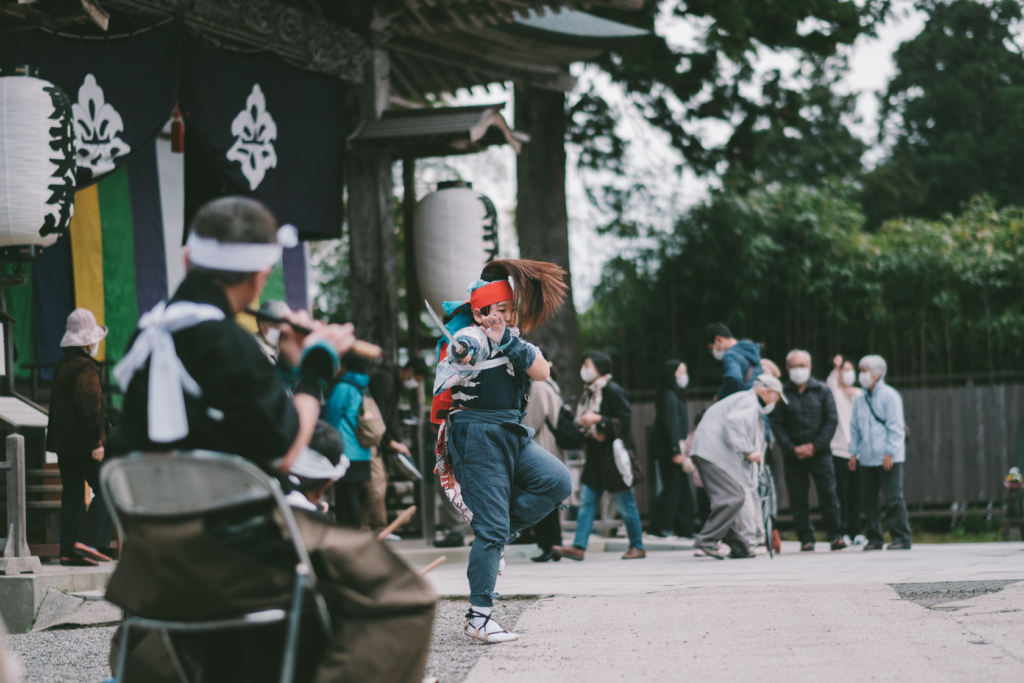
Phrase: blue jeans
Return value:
(626, 504)
(510, 483)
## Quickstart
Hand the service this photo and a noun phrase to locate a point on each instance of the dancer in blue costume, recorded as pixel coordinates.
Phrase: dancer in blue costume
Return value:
(493, 472)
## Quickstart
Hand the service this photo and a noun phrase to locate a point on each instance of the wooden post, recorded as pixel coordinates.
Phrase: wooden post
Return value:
(413, 307)
(542, 220)
(373, 267)
(17, 558)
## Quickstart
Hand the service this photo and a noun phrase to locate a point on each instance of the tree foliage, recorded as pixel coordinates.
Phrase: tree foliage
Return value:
(793, 267)
(956, 112)
(781, 130)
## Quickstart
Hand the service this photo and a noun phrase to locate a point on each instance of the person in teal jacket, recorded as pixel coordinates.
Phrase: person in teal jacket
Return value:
(343, 413)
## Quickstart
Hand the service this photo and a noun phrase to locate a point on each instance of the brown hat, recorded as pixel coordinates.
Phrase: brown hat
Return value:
(82, 329)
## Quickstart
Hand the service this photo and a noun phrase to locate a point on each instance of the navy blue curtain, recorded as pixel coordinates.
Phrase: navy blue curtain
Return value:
(269, 131)
(122, 91)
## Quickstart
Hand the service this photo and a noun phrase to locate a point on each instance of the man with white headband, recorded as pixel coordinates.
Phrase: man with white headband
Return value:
(194, 379)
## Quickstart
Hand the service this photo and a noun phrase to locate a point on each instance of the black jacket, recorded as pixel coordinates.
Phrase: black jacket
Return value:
(810, 417)
(252, 414)
(76, 408)
(614, 406)
(671, 424)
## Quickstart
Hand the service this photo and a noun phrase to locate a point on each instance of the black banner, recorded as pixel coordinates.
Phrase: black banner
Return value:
(269, 131)
(122, 91)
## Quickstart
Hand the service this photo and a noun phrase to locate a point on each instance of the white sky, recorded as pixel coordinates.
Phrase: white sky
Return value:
(651, 159)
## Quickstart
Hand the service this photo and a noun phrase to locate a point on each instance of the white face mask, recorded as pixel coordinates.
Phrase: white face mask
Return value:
(799, 376)
(683, 381)
(768, 408)
(411, 384)
(94, 349)
(273, 336)
(848, 377)
(717, 353)
(866, 378)
(588, 375)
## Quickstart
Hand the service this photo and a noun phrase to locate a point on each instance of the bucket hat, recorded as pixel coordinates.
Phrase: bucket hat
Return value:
(82, 329)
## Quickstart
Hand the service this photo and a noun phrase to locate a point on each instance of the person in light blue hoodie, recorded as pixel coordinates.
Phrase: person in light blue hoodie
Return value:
(878, 438)
(343, 414)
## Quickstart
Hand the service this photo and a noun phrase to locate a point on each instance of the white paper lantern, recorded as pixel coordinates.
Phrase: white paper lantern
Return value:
(37, 160)
(456, 234)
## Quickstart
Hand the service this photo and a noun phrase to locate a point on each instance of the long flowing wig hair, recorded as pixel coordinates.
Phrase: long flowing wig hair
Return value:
(540, 288)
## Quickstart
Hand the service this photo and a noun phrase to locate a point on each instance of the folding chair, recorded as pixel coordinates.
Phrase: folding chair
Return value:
(157, 487)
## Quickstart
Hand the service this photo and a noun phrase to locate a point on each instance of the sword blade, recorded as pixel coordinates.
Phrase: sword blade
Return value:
(444, 330)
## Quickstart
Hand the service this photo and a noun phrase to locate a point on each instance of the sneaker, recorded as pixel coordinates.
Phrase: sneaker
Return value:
(846, 539)
(760, 549)
(873, 545)
(714, 552)
(838, 544)
(860, 539)
(392, 538)
(486, 630)
(451, 541)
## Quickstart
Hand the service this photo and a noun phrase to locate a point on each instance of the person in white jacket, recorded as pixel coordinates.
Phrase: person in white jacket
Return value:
(728, 442)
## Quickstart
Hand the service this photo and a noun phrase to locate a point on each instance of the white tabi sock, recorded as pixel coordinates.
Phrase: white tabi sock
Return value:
(479, 625)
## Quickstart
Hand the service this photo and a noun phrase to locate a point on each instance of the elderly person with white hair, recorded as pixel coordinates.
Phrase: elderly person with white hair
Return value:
(804, 428)
(878, 437)
(728, 443)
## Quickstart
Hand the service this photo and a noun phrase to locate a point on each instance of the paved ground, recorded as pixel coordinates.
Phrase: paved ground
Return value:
(800, 617)
(936, 613)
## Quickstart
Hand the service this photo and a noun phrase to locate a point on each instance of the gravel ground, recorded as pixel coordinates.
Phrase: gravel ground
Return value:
(931, 594)
(454, 654)
(77, 655)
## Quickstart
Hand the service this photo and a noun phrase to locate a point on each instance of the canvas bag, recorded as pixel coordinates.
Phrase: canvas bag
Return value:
(369, 427)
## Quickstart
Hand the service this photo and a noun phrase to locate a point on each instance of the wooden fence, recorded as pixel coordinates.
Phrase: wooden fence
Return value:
(962, 442)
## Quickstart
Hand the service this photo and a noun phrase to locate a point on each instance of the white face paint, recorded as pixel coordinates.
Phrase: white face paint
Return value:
(273, 336)
(848, 377)
(588, 375)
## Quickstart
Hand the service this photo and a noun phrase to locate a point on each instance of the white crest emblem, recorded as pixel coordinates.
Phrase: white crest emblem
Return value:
(97, 127)
(255, 131)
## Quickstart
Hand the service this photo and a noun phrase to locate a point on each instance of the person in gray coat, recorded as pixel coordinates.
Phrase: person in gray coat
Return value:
(728, 441)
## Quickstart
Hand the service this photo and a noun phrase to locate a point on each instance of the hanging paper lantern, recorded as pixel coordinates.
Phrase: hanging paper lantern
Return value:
(456, 234)
(37, 159)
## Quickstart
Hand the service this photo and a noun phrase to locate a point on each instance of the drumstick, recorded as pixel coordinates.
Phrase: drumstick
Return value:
(401, 519)
(433, 565)
(363, 348)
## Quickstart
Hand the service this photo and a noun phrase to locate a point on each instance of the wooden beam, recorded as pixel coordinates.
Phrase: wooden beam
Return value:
(373, 274)
(273, 25)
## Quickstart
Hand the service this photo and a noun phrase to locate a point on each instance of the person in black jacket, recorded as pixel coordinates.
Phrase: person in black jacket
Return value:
(673, 509)
(603, 414)
(804, 429)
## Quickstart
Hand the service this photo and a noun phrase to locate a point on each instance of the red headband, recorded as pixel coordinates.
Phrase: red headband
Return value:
(491, 293)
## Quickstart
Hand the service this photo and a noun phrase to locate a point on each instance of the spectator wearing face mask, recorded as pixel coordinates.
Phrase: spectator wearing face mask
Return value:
(741, 360)
(268, 335)
(841, 382)
(804, 429)
(77, 434)
(878, 438)
(727, 446)
(673, 509)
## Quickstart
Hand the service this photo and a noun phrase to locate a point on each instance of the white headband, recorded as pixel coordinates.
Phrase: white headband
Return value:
(240, 257)
(312, 465)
